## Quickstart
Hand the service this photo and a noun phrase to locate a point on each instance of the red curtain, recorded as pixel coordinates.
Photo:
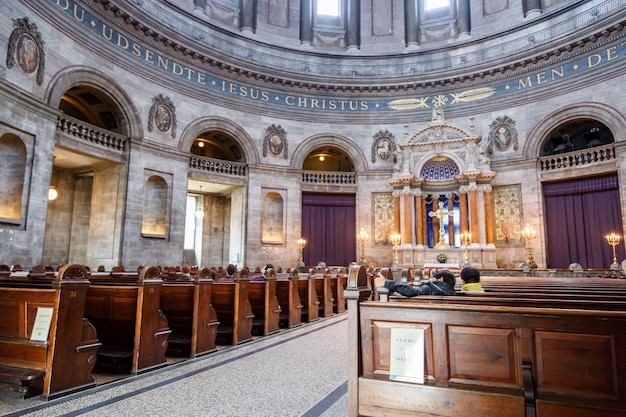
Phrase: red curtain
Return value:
(329, 227)
(579, 215)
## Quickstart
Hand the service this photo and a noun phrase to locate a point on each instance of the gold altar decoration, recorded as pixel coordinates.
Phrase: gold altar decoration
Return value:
(529, 234)
(362, 237)
(301, 245)
(466, 238)
(395, 240)
(613, 240)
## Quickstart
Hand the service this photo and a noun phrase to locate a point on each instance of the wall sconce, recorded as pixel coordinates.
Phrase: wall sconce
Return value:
(322, 158)
(613, 240)
(52, 193)
(362, 237)
(529, 233)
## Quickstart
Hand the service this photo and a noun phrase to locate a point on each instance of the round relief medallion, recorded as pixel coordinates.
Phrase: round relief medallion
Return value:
(275, 144)
(27, 53)
(162, 118)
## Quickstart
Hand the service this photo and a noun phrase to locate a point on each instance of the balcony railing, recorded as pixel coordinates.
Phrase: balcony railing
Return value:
(328, 178)
(218, 166)
(578, 158)
(91, 133)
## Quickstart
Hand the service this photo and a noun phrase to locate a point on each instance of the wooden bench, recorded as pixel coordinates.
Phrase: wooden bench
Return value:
(130, 324)
(309, 299)
(190, 315)
(492, 360)
(324, 293)
(337, 287)
(234, 311)
(64, 362)
(265, 305)
(289, 299)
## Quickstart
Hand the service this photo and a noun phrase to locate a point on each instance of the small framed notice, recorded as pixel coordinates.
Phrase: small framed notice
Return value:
(407, 355)
(41, 328)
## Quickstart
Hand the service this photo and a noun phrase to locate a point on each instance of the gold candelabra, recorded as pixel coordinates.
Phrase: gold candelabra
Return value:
(301, 245)
(529, 234)
(362, 237)
(395, 240)
(466, 238)
(613, 240)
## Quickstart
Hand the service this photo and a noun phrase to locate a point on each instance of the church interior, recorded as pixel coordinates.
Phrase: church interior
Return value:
(354, 139)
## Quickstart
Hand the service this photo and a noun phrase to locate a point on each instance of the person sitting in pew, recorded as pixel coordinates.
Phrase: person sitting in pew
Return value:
(261, 276)
(443, 284)
(471, 280)
(186, 276)
(230, 274)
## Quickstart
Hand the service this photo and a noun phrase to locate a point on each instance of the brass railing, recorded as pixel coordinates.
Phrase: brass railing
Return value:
(578, 158)
(218, 166)
(91, 133)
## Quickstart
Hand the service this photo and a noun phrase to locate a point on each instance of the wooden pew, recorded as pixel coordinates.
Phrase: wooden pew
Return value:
(62, 364)
(324, 293)
(511, 360)
(309, 298)
(289, 299)
(234, 311)
(337, 287)
(132, 328)
(190, 315)
(265, 305)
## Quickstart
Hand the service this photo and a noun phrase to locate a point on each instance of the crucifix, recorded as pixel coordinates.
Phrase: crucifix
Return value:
(441, 214)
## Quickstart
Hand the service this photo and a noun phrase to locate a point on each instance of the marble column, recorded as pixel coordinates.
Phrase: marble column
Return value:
(463, 210)
(411, 26)
(306, 22)
(419, 219)
(450, 198)
(407, 229)
(396, 211)
(532, 8)
(473, 212)
(248, 15)
(489, 220)
(463, 22)
(354, 25)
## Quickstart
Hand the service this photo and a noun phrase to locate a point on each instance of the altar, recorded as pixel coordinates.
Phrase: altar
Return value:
(443, 198)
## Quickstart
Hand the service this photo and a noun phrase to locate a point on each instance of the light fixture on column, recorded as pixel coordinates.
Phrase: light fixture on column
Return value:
(199, 210)
(362, 237)
(613, 240)
(52, 193)
(301, 245)
(529, 233)
(396, 238)
(466, 238)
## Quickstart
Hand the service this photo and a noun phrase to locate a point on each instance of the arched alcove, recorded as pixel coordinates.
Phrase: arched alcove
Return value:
(12, 172)
(155, 207)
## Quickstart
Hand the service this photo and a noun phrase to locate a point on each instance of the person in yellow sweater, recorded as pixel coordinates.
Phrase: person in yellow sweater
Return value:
(471, 280)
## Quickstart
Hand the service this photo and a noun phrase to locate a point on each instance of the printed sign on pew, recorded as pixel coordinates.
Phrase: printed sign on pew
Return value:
(41, 328)
(407, 355)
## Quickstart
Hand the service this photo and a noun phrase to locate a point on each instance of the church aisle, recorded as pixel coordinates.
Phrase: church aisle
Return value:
(299, 372)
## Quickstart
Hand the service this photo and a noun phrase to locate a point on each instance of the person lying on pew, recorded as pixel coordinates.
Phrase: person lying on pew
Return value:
(443, 284)
(230, 274)
(471, 280)
(186, 276)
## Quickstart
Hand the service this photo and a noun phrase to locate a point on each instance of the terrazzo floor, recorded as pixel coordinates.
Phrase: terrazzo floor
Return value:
(297, 372)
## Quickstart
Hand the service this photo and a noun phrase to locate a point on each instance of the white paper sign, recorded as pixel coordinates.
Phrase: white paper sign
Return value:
(407, 355)
(41, 328)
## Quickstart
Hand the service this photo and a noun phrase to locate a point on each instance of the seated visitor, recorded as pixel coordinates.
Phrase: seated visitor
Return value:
(186, 276)
(471, 280)
(443, 284)
(230, 273)
(261, 276)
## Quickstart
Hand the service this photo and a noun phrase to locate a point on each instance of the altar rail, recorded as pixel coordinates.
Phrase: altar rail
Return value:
(85, 131)
(573, 159)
